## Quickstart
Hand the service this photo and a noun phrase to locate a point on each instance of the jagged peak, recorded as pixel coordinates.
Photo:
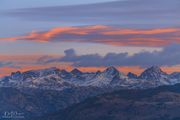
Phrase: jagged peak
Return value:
(154, 73)
(76, 71)
(63, 71)
(98, 72)
(16, 73)
(156, 69)
(111, 68)
(132, 75)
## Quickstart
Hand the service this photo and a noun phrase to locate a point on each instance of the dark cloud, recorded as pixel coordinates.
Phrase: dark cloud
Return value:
(70, 53)
(128, 13)
(169, 56)
(43, 59)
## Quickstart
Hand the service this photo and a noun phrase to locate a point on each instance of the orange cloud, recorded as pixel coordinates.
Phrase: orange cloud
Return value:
(105, 35)
(137, 31)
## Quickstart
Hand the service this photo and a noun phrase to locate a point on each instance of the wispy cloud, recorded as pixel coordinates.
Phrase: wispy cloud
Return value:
(105, 35)
(127, 13)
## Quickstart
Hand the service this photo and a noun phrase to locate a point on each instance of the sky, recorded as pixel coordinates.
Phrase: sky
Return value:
(89, 34)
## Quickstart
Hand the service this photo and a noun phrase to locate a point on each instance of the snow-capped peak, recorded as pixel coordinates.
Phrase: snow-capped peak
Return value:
(155, 69)
(152, 73)
(156, 75)
(111, 71)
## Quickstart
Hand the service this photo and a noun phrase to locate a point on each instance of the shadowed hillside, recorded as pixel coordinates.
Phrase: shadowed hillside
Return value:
(161, 103)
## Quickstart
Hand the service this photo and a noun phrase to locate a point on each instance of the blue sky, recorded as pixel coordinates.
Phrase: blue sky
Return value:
(9, 4)
(9, 23)
(45, 14)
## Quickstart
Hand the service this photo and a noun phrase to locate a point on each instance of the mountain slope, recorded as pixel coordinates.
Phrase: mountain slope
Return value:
(161, 103)
(36, 102)
(132, 75)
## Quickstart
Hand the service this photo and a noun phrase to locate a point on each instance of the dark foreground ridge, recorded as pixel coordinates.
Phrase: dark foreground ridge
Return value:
(162, 103)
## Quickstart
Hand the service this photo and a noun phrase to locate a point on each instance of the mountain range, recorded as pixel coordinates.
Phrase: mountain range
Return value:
(39, 93)
(56, 79)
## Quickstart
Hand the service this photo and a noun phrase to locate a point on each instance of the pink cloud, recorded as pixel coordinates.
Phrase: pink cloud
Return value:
(105, 35)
